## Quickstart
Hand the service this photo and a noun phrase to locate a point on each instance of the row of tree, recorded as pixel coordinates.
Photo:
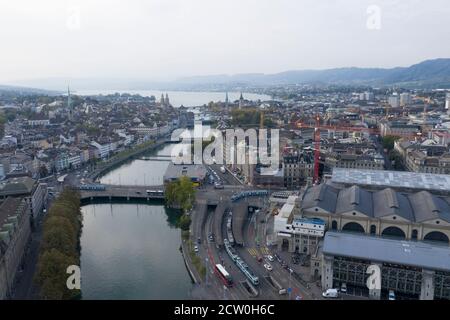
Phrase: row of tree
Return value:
(60, 247)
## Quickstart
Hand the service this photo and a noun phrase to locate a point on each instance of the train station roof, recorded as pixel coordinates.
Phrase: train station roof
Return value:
(392, 179)
(377, 249)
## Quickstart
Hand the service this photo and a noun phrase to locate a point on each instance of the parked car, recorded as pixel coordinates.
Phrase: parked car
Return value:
(270, 258)
(195, 248)
(268, 267)
(330, 293)
(218, 185)
(344, 288)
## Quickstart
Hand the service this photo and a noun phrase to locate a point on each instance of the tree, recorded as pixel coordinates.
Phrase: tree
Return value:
(43, 172)
(52, 276)
(388, 142)
(181, 193)
(184, 222)
(59, 246)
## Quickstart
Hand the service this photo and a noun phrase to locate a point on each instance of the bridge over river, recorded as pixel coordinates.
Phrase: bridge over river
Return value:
(121, 192)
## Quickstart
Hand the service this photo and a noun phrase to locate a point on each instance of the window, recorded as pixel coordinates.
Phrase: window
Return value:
(334, 225)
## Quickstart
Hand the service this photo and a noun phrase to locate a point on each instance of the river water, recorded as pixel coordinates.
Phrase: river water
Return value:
(131, 251)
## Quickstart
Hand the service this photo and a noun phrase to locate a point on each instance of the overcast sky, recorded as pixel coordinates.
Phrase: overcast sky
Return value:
(165, 39)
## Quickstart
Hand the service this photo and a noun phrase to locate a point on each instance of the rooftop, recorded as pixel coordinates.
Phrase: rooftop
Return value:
(193, 171)
(409, 253)
(417, 207)
(17, 186)
(393, 179)
(8, 208)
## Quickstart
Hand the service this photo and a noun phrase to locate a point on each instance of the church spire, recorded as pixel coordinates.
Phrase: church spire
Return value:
(69, 104)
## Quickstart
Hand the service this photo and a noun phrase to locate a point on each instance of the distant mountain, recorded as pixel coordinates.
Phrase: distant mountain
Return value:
(25, 90)
(430, 73)
(427, 74)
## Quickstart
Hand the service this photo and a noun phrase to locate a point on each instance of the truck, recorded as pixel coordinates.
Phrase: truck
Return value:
(222, 169)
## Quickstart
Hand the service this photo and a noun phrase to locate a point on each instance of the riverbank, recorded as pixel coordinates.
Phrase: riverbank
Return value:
(118, 160)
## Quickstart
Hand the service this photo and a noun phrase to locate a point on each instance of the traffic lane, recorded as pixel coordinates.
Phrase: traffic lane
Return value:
(278, 272)
(235, 272)
(267, 290)
(216, 257)
(227, 177)
(288, 278)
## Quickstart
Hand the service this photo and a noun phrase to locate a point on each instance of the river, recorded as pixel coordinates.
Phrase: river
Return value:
(131, 251)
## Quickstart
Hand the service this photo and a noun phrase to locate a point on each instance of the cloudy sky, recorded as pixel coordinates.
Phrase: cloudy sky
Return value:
(167, 39)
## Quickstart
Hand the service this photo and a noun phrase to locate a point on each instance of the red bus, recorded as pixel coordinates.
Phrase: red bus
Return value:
(224, 275)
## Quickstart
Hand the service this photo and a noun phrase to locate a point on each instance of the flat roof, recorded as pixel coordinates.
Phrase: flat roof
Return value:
(394, 179)
(377, 249)
(176, 171)
(286, 210)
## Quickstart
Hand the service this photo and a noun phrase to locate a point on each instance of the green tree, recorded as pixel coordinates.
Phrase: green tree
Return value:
(59, 246)
(388, 142)
(43, 172)
(184, 222)
(180, 193)
(52, 276)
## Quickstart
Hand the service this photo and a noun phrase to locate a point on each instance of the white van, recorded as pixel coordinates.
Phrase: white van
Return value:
(282, 291)
(331, 293)
(391, 295)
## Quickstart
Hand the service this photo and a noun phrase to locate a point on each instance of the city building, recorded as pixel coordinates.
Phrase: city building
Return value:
(14, 236)
(398, 180)
(447, 102)
(393, 101)
(405, 99)
(34, 192)
(195, 172)
(297, 168)
(413, 270)
(399, 129)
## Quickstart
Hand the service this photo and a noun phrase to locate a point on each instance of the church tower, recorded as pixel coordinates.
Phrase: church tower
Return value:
(162, 100)
(167, 100)
(69, 104)
(226, 99)
(241, 101)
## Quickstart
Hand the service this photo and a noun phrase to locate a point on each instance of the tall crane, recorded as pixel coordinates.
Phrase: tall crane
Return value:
(317, 127)
(316, 149)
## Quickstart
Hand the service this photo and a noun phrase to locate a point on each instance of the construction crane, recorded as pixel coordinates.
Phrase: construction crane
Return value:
(317, 127)
(316, 149)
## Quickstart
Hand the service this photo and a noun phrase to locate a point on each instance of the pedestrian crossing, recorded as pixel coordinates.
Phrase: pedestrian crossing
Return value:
(255, 252)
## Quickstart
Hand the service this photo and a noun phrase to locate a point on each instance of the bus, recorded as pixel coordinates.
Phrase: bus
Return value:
(224, 275)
